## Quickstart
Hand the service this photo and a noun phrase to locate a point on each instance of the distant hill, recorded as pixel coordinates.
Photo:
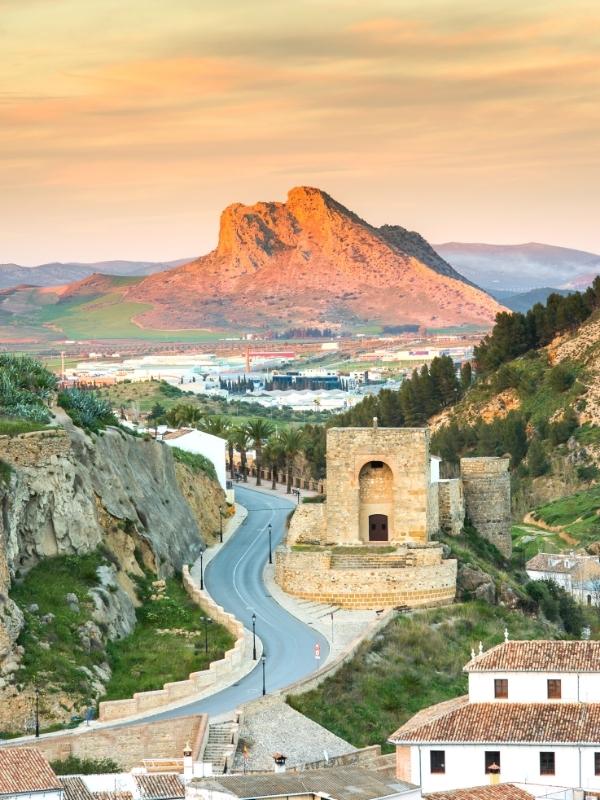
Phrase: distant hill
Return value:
(311, 262)
(523, 301)
(521, 267)
(57, 273)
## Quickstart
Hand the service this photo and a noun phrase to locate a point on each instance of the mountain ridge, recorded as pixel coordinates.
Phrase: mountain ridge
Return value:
(310, 260)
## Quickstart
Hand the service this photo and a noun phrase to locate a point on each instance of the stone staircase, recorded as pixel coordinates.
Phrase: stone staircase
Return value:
(220, 745)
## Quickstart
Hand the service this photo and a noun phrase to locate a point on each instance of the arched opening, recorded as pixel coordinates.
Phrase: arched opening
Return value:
(376, 499)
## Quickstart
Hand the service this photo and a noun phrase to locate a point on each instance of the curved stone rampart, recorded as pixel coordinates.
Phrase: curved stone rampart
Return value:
(417, 577)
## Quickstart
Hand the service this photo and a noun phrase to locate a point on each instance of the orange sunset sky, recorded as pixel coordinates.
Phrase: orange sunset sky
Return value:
(127, 125)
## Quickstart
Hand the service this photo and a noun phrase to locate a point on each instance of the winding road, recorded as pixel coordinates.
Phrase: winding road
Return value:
(234, 579)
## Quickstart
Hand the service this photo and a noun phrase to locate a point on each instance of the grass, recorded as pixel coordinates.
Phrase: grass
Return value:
(196, 462)
(84, 317)
(10, 426)
(54, 654)
(577, 514)
(414, 662)
(147, 659)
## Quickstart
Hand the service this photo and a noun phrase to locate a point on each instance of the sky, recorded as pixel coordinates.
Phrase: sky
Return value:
(127, 126)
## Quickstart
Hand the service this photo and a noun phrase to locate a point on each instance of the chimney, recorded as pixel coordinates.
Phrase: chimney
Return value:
(494, 771)
(188, 763)
(279, 760)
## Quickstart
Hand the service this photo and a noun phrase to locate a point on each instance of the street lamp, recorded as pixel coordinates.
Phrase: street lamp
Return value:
(263, 659)
(202, 569)
(207, 621)
(270, 546)
(37, 713)
(221, 525)
(254, 636)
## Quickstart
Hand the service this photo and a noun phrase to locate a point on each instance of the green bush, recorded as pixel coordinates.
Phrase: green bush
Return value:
(14, 427)
(561, 378)
(84, 766)
(87, 409)
(317, 498)
(25, 388)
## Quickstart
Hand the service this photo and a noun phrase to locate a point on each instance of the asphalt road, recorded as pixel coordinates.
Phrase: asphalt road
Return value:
(234, 579)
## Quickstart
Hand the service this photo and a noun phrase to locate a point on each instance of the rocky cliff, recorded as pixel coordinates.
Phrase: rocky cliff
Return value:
(310, 261)
(69, 494)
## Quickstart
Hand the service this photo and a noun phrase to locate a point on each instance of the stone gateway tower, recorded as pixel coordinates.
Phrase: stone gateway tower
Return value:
(369, 545)
(378, 485)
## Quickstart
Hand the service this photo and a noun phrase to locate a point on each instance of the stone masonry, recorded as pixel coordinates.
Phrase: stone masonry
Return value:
(451, 506)
(486, 485)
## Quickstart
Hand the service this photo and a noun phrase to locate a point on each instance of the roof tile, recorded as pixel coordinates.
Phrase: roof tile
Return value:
(539, 656)
(24, 769)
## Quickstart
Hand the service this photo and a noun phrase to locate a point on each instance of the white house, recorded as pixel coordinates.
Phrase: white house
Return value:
(201, 443)
(577, 574)
(25, 773)
(532, 716)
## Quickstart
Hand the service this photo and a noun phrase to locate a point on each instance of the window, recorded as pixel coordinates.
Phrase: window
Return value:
(589, 599)
(492, 759)
(501, 688)
(554, 689)
(437, 761)
(596, 763)
(546, 763)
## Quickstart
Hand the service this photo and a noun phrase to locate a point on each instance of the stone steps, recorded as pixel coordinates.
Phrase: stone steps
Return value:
(219, 744)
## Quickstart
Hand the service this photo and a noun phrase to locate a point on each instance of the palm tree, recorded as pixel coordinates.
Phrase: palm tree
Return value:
(242, 443)
(184, 414)
(292, 441)
(259, 431)
(215, 424)
(231, 437)
(272, 455)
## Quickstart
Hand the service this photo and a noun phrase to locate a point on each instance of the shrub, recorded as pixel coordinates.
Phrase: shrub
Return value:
(318, 498)
(25, 388)
(87, 409)
(561, 378)
(84, 766)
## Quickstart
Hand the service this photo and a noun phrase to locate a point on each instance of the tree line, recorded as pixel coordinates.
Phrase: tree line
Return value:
(516, 333)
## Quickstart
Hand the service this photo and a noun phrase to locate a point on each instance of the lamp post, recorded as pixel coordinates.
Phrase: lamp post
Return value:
(37, 713)
(270, 547)
(221, 525)
(202, 569)
(263, 659)
(207, 621)
(254, 636)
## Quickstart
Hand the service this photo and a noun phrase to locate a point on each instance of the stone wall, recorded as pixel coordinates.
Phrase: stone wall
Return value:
(423, 579)
(307, 525)
(34, 449)
(128, 746)
(198, 682)
(486, 486)
(451, 506)
(405, 451)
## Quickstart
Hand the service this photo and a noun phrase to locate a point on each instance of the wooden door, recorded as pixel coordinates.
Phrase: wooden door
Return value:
(378, 528)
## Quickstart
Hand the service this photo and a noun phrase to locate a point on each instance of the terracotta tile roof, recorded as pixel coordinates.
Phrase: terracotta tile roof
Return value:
(341, 783)
(539, 656)
(539, 723)
(23, 769)
(503, 791)
(160, 787)
(112, 795)
(75, 789)
(550, 562)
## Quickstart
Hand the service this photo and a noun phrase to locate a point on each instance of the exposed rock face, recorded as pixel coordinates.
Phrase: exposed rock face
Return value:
(69, 494)
(311, 261)
(59, 506)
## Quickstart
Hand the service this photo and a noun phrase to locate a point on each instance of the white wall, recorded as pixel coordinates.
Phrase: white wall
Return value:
(465, 766)
(204, 444)
(532, 687)
(50, 795)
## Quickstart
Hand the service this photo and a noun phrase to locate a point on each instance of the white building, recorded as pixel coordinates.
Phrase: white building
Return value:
(532, 716)
(25, 773)
(577, 574)
(201, 443)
